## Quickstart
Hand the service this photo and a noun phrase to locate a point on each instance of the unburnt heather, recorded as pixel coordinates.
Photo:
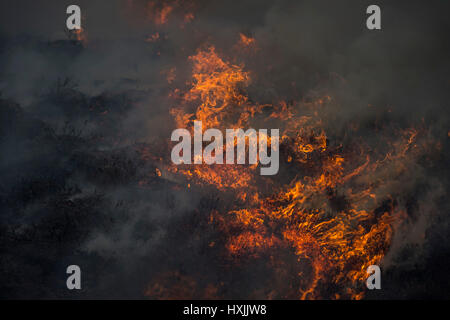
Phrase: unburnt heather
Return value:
(86, 172)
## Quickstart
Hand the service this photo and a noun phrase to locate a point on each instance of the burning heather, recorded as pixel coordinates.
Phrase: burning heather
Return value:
(362, 153)
(334, 208)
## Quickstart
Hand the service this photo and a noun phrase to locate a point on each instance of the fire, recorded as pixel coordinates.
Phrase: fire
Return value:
(215, 86)
(337, 210)
(188, 17)
(159, 14)
(246, 45)
(246, 41)
(153, 38)
(170, 74)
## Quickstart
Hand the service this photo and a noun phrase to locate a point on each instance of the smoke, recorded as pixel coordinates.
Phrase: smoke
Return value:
(76, 120)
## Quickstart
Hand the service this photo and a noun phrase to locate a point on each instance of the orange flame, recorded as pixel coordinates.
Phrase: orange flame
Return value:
(337, 215)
